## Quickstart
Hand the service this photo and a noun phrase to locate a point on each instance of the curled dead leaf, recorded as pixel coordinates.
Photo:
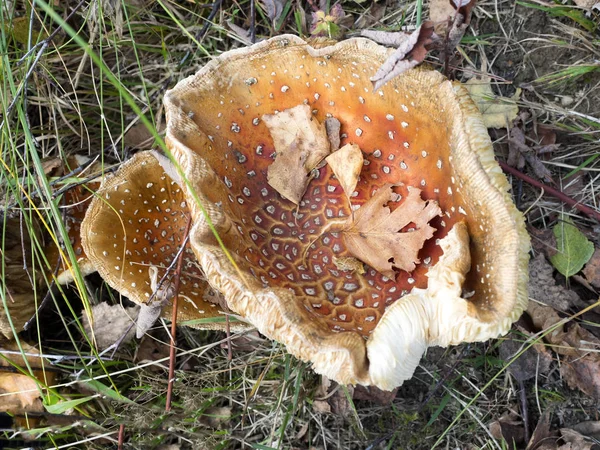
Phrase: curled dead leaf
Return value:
(346, 163)
(411, 50)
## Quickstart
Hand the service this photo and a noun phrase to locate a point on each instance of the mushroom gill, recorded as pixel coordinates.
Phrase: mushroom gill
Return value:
(132, 233)
(419, 130)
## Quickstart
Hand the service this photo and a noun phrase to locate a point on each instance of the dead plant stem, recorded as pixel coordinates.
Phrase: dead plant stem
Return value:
(173, 347)
(550, 190)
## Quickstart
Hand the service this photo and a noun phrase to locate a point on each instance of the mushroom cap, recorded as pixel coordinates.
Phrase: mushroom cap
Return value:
(75, 202)
(132, 232)
(419, 130)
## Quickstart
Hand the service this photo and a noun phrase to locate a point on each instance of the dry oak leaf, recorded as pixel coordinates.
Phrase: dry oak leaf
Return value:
(373, 236)
(301, 143)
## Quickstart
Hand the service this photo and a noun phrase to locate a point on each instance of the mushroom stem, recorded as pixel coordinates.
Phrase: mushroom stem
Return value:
(173, 347)
(553, 192)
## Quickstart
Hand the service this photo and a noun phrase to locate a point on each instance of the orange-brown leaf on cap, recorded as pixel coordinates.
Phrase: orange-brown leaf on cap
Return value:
(301, 143)
(373, 236)
(346, 163)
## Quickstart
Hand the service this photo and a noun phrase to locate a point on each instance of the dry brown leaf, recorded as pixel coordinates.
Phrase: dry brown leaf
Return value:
(580, 367)
(588, 4)
(543, 241)
(411, 51)
(510, 428)
(592, 269)
(151, 349)
(301, 144)
(138, 136)
(23, 397)
(542, 437)
(273, 8)
(516, 139)
(373, 16)
(19, 393)
(529, 364)
(457, 26)
(543, 287)
(590, 428)
(346, 163)
(50, 166)
(321, 406)
(373, 236)
(331, 398)
(247, 342)
(110, 323)
(10, 351)
(575, 441)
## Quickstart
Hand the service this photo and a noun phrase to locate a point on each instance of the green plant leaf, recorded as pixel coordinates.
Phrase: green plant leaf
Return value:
(574, 249)
(104, 390)
(61, 407)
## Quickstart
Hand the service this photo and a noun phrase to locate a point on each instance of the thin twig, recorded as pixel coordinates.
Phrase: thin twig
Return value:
(228, 334)
(524, 409)
(172, 349)
(121, 436)
(252, 21)
(215, 9)
(553, 192)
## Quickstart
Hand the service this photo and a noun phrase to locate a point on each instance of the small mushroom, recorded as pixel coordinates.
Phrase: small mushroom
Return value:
(418, 131)
(132, 233)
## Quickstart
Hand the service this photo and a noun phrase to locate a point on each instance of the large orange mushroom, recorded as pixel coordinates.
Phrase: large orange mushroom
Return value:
(418, 132)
